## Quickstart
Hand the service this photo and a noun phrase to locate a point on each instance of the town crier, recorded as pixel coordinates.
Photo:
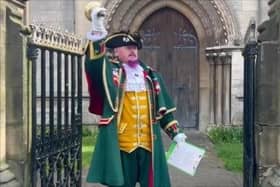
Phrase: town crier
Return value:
(134, 106)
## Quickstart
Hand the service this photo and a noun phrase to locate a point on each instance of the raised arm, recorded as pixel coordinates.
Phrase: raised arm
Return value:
(95, 57)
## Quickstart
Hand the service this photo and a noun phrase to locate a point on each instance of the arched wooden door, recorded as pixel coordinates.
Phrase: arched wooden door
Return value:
(171, 47)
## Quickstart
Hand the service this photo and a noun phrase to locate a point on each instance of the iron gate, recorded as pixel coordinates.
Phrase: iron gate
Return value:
(56, 59)
(250, 56)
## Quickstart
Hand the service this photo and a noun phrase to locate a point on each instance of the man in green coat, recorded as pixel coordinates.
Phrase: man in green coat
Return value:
(134, 105)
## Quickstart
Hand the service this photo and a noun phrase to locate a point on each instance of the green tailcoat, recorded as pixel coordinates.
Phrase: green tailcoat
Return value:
(105, 82)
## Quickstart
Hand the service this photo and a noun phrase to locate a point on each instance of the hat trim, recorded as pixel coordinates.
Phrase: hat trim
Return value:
(120, 34)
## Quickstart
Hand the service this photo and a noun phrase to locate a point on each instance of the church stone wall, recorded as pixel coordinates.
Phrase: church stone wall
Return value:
(57, 13)
(237, 88)
(246, 9)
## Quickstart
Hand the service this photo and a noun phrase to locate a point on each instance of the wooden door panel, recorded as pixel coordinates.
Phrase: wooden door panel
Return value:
(184, 90)
(170, 46)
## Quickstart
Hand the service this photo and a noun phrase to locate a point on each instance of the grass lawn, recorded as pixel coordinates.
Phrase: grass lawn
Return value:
(228, 143)
(231, 154)
(87, 148)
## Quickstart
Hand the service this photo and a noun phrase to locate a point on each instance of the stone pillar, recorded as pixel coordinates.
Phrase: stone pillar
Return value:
(218, 89)
(212, 119)
(226, 88)
(221, 76)
(267, 115)
(14, 133)
(2, 84)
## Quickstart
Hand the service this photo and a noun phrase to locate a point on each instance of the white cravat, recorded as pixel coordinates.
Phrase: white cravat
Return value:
(135, 80)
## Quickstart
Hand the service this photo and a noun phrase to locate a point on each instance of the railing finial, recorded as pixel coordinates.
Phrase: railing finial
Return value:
(53, 38)
(251, 32)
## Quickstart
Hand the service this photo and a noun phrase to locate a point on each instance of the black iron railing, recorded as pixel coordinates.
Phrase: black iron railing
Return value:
(250, 56)
(56, 60)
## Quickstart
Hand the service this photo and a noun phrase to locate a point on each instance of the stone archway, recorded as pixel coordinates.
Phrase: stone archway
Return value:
(213, 21)
(216, 16)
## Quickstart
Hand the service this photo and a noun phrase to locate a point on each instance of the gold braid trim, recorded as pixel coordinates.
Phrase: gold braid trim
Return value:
(106, 87)
(171, 123)
(93, 54)
(120, 34)
(167, 112)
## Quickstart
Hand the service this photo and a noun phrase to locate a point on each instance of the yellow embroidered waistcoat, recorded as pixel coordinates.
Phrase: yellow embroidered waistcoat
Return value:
(134, 125)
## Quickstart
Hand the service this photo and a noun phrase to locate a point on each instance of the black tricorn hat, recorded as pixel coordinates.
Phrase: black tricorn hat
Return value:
(123, 38)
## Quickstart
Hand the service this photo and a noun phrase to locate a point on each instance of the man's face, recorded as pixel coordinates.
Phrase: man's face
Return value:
(126, 53)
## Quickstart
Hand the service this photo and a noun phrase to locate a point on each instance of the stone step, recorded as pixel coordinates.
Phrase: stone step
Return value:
(3, 167)
(6, 177)
(13, 183)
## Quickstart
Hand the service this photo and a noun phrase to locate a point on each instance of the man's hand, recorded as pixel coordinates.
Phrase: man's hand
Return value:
(97, 19)
(98, 30)
(180, 138)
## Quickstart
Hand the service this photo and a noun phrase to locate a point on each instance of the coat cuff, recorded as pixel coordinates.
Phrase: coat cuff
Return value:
(172, 129)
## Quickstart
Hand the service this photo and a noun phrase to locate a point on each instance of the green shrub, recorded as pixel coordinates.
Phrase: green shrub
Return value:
(226, 135)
